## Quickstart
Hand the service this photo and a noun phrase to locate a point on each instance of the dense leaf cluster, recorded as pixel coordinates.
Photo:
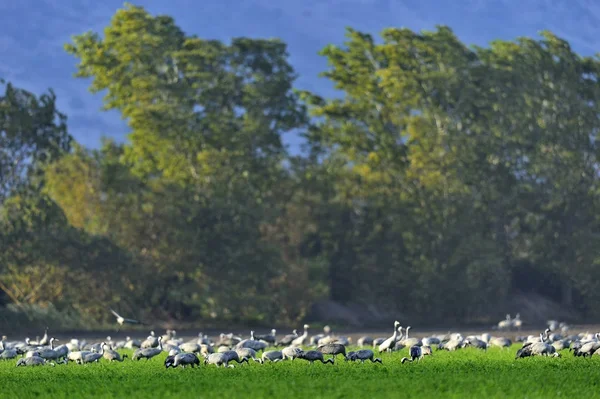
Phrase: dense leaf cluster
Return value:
(443, 180)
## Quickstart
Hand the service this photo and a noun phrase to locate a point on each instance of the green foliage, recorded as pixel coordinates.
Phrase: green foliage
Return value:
(200, 182)
(444, 172)
(188, 100)
(32, 132)
(471, 159)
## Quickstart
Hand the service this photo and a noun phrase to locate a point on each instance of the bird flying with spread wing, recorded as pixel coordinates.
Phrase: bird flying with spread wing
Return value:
(122, 320)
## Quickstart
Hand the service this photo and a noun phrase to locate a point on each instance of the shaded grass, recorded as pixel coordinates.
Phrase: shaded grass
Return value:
(467, 373)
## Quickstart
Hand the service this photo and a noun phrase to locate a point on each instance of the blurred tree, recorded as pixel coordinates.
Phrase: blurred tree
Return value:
(32, 132)
(459, 149)
(199, 177)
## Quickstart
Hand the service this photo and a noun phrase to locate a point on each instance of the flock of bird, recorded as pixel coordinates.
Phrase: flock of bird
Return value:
(229, 348)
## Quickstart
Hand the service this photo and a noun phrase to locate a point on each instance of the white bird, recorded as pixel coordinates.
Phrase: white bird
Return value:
(390, 343)
(272, 356)
(218, 359)
(505, 324)
(112, 355)
(410, 341)
(291, 352)
(300, 340)
(77, 356)
(122, 320)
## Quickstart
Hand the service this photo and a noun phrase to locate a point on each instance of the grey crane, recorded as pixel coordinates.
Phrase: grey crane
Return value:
(525, 351)
(588, 348)
(312, 356)
(122, 320)
(406, 341)
(336, 340)
(500, 342)
(233, 356)
(332, 349)
(182, 359)
(93, 347)
(299, 341)
(112, 355)
(45, 340)
(476, 343)
(206, 349)
(77, 356)
(218, 359)
(248, 353)
(132, 343)
(50, 353)
(62, 351)
(169, 360)
(575, 345)
(20, 347)
(272, 356)
(553, 324)
(29, 346)
(561, 344)
(456, 342)
(516, 323)
(287, 340)
(119, 344)
(33, 361)
(203, 339)
(362, 355)
(169, 347)
(7, 353)
(291, 352)
(168, 335)
(94, 356)
(151, 341)
(543, 347)
(417, 353)
(190, 347)
(505, 324)
(268, 338)
(364, 341)
(228, 340)
(314, 340)
(430, 341)
(389, 344)
(148, 353)
(537, 348)
(252, 343)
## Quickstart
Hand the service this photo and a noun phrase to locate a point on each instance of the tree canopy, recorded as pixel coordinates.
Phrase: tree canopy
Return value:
(445, 179)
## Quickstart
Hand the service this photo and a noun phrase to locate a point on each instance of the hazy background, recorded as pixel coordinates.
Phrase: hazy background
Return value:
(442, 183)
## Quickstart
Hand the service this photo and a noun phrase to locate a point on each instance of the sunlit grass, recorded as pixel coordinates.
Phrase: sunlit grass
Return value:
(468, 373)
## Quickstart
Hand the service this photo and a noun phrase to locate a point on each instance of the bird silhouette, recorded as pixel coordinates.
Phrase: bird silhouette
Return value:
(122, 320)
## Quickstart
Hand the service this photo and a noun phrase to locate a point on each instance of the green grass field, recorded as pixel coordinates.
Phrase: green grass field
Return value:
(467, 373)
